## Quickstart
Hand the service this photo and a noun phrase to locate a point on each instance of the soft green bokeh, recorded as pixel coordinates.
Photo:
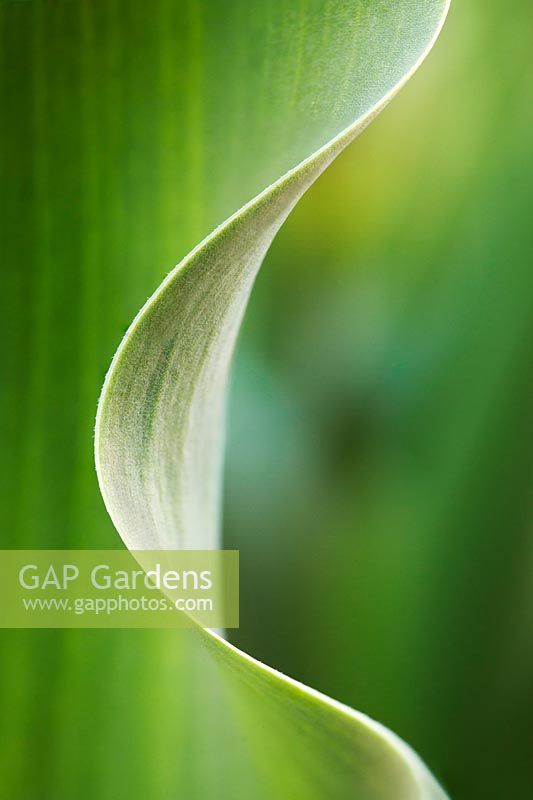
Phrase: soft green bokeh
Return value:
(381, 427)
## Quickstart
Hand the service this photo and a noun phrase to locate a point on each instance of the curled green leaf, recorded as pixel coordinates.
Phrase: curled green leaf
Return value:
(160, 422)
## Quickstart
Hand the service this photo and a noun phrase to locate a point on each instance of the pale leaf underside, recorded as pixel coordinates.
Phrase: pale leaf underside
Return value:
(159, 432)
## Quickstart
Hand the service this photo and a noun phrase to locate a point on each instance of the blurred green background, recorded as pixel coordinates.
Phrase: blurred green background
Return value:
(378, 480)
(380, 449)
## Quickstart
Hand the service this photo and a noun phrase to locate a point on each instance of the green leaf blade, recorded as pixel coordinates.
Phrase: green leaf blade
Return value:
(159, 431)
